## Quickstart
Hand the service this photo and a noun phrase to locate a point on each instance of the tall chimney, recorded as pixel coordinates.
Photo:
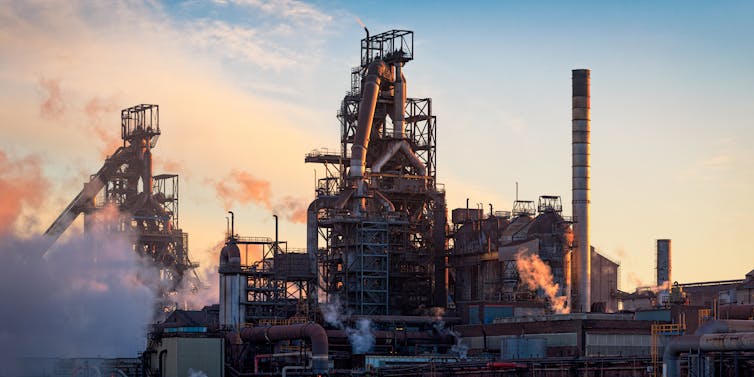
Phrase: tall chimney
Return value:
(580, 125)
(663, 262)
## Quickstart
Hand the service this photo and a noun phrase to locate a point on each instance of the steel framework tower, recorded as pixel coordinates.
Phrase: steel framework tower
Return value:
(147, 204)
(379, 209)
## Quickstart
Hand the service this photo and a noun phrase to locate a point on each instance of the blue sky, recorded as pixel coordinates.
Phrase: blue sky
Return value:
(251, 86)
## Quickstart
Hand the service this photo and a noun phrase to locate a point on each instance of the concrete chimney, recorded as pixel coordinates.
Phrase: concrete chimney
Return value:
(663, 262)
(581, 128)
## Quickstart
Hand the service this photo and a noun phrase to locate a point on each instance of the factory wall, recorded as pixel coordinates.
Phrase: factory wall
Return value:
(604, 285)
(178, 355)
(577, 334)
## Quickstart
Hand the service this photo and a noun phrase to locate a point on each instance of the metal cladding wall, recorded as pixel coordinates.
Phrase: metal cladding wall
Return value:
(581, 197)
(176, 356)
(663, 262)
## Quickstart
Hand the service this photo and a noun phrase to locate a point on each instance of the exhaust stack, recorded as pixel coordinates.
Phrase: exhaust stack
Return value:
(663, 262)
(581, 198)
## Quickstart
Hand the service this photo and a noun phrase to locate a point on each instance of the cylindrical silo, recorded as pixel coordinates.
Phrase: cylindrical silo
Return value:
(580, 127)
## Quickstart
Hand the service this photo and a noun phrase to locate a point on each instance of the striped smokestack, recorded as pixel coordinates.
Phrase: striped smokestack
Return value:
(580, 164)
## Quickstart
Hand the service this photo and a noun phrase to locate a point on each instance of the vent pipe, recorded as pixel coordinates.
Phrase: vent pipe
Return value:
(581, 198)
(663, 263)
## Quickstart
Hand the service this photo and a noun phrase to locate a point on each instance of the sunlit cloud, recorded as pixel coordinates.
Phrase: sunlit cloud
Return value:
(722, 158)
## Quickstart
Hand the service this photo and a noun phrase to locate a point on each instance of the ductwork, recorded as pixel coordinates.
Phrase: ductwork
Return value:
(714, 336)
(399, 129)
(395, 147)
(581, 129)
(376, 72)
(312, 331)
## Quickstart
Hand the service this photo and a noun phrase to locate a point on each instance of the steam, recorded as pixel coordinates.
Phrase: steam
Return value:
(84, 298)
(102, 113)
(244, 188)
(52, 107)
(196, 373)
(361, 337)
(21, 186)
(459, 349)
(194, 297)
(536, 274)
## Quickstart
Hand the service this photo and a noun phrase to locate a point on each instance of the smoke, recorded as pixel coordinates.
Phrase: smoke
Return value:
(459, 349)
(168, 165)
(52, 107)
(194, 295)
(360, 23)
(641, 286)
(85, 298)
(242, 187)
(22, 185)
(294, 210)
(98, 111)
(361, 337)
(536, 274)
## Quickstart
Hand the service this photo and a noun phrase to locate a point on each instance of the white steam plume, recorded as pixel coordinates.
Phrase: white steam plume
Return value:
(83, 299)
(536, 274)
(458, 349)
(361, 337)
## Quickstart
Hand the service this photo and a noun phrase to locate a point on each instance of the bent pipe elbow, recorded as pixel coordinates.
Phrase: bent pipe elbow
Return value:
(673, 350)
(376, 71)
(312, 331)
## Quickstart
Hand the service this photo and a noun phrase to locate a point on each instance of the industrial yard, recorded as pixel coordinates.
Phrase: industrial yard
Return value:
(395, 277)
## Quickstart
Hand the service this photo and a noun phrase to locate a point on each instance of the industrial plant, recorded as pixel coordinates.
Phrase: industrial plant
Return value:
(392, 282)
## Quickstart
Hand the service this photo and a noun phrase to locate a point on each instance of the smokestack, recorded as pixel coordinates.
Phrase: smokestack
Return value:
(663, 262)
(581, 198)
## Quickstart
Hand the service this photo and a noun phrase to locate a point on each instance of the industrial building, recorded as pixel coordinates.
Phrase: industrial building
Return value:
(146, 204)
(388, 286)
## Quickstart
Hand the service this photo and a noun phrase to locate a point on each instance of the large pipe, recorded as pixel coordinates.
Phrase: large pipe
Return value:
(581, 198)
(376, 71)
(395, 147)
(663, 263)
(729, 335)
(399, 101)
(312, 331)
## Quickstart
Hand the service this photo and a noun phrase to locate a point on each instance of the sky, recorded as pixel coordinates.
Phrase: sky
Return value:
(247, 87)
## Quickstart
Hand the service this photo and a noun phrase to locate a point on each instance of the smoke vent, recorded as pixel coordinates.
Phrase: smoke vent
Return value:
(663, 262)
(581, 198)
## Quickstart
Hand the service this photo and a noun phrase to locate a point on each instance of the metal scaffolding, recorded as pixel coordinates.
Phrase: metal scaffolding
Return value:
(147, 205)
(388, 257)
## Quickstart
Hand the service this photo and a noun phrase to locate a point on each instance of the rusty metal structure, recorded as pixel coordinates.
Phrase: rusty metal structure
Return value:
(379, 210)
(147, 204)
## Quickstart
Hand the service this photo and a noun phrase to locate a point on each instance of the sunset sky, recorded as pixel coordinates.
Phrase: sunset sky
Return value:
(246, 88)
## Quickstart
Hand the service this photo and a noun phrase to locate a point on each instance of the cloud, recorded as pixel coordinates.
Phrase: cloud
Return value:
(105, 58)
(245, 44)
(299, 12)
(52, 107)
